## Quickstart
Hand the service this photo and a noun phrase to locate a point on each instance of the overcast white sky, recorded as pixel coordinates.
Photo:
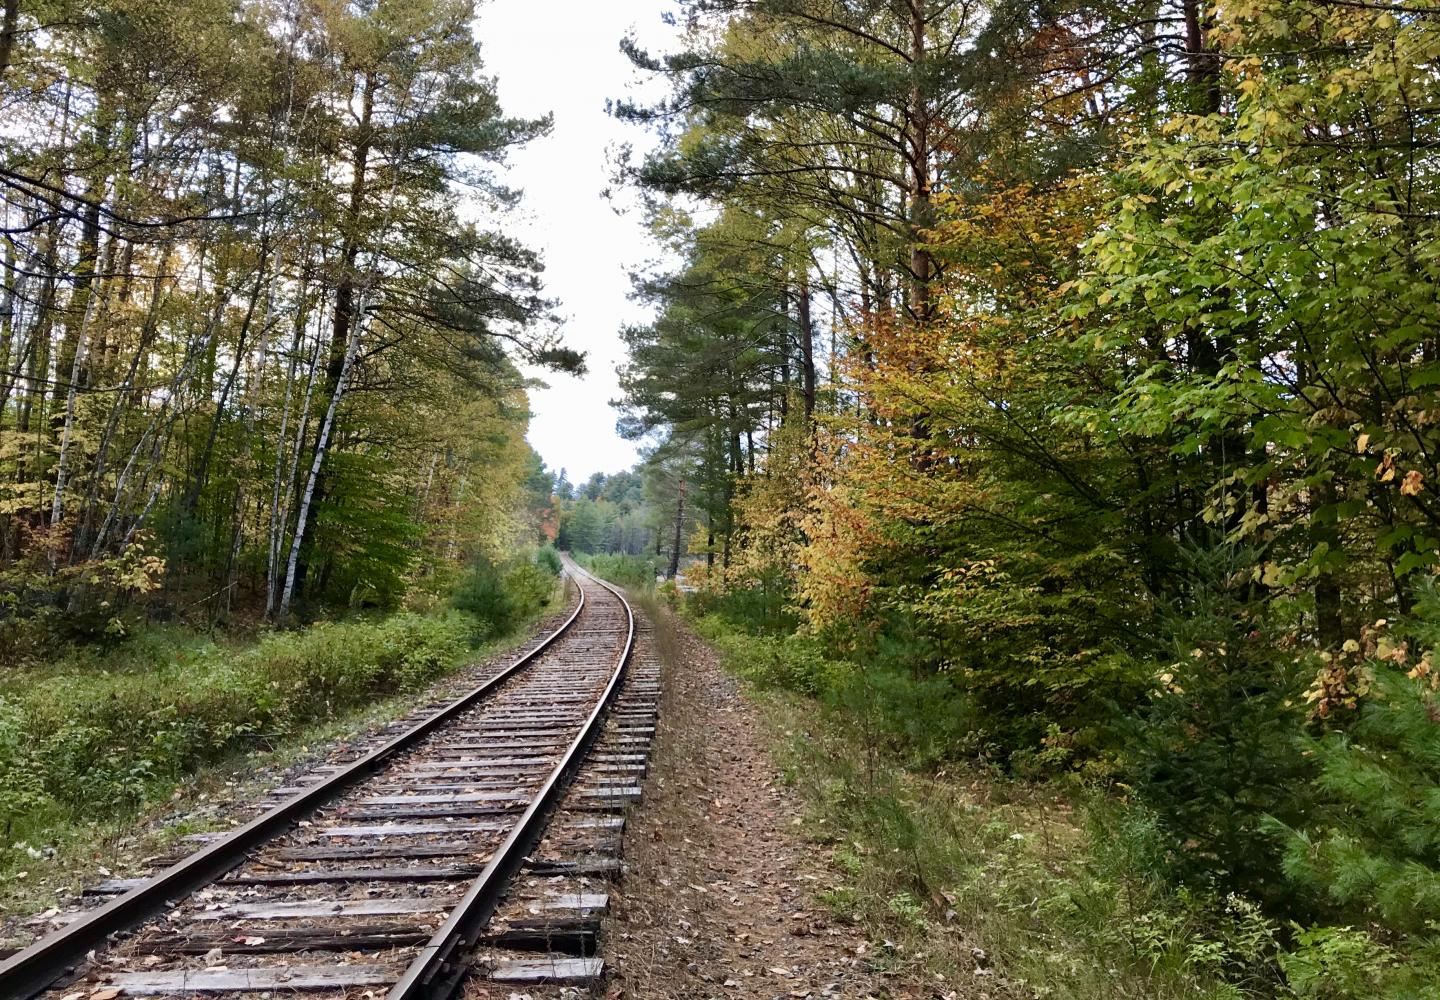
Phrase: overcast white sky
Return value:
(563, 56)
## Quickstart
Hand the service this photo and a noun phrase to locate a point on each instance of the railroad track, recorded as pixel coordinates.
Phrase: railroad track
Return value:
(480, 837)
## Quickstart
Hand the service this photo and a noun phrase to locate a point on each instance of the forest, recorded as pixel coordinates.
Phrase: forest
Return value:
(240, 288)
(1051, 390)
(262, 416)
(1040, 409)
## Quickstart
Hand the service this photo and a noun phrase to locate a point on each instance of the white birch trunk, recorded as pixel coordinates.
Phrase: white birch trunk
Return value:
(351, 348)
(280, 509)
(62, 468)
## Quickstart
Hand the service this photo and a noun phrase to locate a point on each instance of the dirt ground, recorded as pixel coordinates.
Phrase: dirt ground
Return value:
(720, 894)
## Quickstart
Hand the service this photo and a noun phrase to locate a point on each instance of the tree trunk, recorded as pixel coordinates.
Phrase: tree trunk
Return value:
(39, 362)
(807, 347)
(202, 469)
(1329, 613)
(280, 510)
(1202, 65)
(345, 291)
(67, 435)
(784, 346)
(117, 410)
(679, 530)
(15, 346)
(350, 254)
(918, 154)
(8, 23)
(83, 298)
(351, 349)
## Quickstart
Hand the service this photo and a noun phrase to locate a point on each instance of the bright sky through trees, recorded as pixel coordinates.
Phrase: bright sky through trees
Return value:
(568, 62)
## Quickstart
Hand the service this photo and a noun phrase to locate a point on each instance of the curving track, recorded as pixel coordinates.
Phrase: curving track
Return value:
(384, 875)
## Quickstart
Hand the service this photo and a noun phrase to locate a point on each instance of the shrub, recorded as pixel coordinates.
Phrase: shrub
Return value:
(621, 570)
(549, 560)
(921, 717)
(95, 601)
(1370, 851)
(978, 868)
(1348, 963)
(22, 785)
(481, 593)
(499, 597)
(789, 663)
(760, 604)
(92, 742)
(1214, 752)
(1367, 856)
(531, 588)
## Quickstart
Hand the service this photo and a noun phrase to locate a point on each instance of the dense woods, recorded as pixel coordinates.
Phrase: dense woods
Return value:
(257, 319)
(1058, 382)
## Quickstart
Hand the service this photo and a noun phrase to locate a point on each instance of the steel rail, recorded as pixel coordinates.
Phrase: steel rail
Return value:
(31, 970)
(438, 970)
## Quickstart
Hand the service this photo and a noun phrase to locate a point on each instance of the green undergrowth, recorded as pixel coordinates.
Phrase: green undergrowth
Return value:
(622, 570)
(90, 742)
(958, 871)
